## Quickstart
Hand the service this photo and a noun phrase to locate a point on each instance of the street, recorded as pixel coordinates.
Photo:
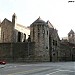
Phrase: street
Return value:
(43, 68)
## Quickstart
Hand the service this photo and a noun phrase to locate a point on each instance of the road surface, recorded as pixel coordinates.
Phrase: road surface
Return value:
(47, 68)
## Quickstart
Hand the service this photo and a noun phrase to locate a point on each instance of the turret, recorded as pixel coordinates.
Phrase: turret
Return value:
(14, 17)
(13, 27)
(71, 36)
(39, 33)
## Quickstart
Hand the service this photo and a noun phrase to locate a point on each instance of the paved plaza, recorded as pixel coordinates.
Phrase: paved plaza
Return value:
(47, 68)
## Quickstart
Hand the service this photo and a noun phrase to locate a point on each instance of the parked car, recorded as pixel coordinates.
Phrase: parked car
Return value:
(2, 62)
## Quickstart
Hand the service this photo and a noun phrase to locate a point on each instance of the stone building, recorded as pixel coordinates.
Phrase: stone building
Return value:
(42, 35)
(67, 51)
(46, 40)
(67, 47)
(71, 37)
(54, 45)
(13, 32)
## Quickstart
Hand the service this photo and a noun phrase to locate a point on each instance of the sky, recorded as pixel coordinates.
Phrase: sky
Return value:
(59, 12)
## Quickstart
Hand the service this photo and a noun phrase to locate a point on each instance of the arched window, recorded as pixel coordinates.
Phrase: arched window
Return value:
(47, 33)
(19, 36)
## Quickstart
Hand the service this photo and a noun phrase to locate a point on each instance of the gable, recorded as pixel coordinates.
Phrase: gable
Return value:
(6, 21)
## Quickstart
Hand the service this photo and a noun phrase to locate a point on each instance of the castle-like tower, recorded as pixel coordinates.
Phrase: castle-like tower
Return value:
(39, 32)
(71, 36)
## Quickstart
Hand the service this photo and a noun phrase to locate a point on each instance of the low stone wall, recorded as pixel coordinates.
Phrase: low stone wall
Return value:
(16, 51)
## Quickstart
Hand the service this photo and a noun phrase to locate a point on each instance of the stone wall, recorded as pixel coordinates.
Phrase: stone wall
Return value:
(16, 51)
(40, 35)
(54, 44)
(67, 51)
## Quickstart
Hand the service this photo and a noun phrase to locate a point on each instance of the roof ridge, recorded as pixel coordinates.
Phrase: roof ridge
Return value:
(39, 20)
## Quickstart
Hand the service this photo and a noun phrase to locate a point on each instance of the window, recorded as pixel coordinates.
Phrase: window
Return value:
(19, 36)
(43, 31)
(53, 42)
(71, 35)
(29, 38)
(38, 30)
(38, 36)
(53, 49)
(3, 36)
(46, 47)
(24, 37)
(53, 54)
(33, 33)
(47, 32)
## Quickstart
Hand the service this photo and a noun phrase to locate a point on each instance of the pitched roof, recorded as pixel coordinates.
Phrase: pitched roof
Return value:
(49, 24)
(6, 20)
(39, 20)
(71, 32)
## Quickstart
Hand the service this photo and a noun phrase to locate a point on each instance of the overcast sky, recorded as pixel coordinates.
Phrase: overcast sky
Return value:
(59, 12)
